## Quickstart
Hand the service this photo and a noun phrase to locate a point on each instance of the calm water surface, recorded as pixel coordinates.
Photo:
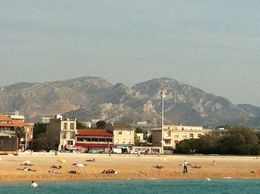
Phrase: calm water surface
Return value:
(135, 187)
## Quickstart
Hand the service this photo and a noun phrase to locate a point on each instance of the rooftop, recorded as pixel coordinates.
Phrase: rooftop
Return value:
(94, 132)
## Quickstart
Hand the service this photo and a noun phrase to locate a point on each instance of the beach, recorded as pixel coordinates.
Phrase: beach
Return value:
(127, 166)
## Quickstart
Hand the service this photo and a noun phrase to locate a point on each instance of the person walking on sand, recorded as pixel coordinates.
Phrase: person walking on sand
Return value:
(185, 166)
(138, 153)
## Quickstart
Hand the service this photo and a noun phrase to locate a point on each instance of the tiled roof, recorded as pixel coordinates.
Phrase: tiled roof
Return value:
(118, 125)
(94, 132)
(12, 124)
(5, 118)
(7, 121)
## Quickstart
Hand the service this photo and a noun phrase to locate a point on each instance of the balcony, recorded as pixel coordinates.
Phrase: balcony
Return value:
(167, 137)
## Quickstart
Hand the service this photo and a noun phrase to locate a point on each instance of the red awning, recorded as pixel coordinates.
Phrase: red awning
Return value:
(94, 132)
(93, 145)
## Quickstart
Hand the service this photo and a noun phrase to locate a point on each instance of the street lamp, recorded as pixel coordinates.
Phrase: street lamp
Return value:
(162, 98)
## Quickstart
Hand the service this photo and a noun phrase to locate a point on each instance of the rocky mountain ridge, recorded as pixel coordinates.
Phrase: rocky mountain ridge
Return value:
(95, 98)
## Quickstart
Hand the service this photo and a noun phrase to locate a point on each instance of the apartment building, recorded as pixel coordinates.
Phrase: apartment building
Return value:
(94, 140)
(14, 126)
(170, 135)
(124, 135)
(61, 133)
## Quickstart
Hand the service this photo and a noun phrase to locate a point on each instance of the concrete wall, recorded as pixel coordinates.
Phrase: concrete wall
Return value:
(53, 131)
(156, 137)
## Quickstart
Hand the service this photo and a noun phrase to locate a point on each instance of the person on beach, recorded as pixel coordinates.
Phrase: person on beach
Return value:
(138, 153)
(185, 166)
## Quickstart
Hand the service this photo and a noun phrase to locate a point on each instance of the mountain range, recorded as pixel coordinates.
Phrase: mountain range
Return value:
(88, 98)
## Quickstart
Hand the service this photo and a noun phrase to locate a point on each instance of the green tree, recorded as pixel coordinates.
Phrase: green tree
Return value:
(20, 132)
(207, 144)
(230, 144)
(81, 125)
(249, 135)
(39, 129)
(101, 124)
(139, 130)
(238, 140)
(183, 147)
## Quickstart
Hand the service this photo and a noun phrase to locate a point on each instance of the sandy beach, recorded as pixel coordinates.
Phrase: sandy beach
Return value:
(126, 166)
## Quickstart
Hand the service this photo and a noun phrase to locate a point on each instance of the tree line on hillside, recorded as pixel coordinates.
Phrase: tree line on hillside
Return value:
(239, 140)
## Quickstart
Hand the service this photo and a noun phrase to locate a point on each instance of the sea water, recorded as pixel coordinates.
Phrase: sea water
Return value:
(203, 186)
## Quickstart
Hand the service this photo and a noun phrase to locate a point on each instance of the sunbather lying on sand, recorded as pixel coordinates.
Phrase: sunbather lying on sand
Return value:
(109, 171)
(73, 172)
(26, 169)
(91, 160)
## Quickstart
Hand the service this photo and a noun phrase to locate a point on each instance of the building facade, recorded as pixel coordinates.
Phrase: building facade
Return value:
(94, 140)
(61, 133)
(124, 135)
(15, 126)
(170, 135)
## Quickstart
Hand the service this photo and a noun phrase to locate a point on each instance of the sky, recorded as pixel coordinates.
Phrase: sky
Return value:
(212, 45)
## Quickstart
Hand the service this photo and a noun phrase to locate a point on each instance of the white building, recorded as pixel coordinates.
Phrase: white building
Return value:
(17, 116)
(62, 132)
(173, 134)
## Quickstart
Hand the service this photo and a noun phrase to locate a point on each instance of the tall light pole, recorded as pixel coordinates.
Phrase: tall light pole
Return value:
(162, 98)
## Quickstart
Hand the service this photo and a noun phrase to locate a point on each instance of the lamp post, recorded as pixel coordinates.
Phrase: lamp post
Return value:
(162, 98)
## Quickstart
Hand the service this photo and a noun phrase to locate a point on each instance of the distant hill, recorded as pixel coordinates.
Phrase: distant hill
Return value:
(95, 98)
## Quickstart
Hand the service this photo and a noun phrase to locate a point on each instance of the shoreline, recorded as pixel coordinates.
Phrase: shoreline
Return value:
(129, 167)
(123, 180)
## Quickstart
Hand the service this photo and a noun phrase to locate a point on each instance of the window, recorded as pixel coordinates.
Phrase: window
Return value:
(167, 141)
(79, 139)
(65, 126)
(176, 136)
(120, 132)
(64, 135)
(70, 142)
(191, 135)
(199, 135)
(1, 143)
(72, 126)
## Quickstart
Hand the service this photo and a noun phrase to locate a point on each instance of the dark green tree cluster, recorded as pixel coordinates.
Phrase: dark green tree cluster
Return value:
(81, 125)
(237, 140)
(39, 129)
(39, 141)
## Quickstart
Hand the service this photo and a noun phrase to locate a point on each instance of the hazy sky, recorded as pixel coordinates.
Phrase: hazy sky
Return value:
(213, 45)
